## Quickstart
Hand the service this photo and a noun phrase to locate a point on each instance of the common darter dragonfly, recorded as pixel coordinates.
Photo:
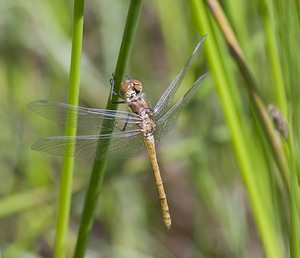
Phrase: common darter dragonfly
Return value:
(127, 129)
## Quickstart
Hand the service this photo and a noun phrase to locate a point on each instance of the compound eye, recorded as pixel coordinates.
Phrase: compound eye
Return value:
(125, 88)
(137, 86)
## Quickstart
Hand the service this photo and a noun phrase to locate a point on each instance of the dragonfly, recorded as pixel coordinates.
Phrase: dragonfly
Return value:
(125, 131)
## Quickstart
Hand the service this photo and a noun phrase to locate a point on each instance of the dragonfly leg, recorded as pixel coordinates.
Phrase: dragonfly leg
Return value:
(113, 92)
(126, 123)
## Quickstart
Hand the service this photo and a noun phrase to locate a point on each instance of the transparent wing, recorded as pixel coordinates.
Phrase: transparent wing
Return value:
(167, 121)
(120, 145)
(166, 99)
(89, 120)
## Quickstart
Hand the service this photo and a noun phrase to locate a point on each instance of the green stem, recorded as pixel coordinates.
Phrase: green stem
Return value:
(269, 25)
(238, 134)
(95, 184)
(60, 249)
(252, 88)
(294, 204)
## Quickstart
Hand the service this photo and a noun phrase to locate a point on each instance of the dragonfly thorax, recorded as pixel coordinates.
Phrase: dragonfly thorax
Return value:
(131, 91)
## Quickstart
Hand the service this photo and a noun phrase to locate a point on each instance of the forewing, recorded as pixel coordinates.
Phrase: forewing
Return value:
(167, 97)
(168, 120)
(115, 145)
(89, 120)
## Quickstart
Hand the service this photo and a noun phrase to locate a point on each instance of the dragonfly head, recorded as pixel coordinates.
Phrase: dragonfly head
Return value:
(131, 90)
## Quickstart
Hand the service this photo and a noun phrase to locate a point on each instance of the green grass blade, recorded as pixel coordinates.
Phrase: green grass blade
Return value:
(294, 233)
(238, 135)
(95, 185)
(269, 27)
(60, 248)
(19, 202)
(252, 88)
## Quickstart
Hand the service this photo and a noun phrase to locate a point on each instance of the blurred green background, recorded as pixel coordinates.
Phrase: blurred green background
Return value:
(209, 206)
